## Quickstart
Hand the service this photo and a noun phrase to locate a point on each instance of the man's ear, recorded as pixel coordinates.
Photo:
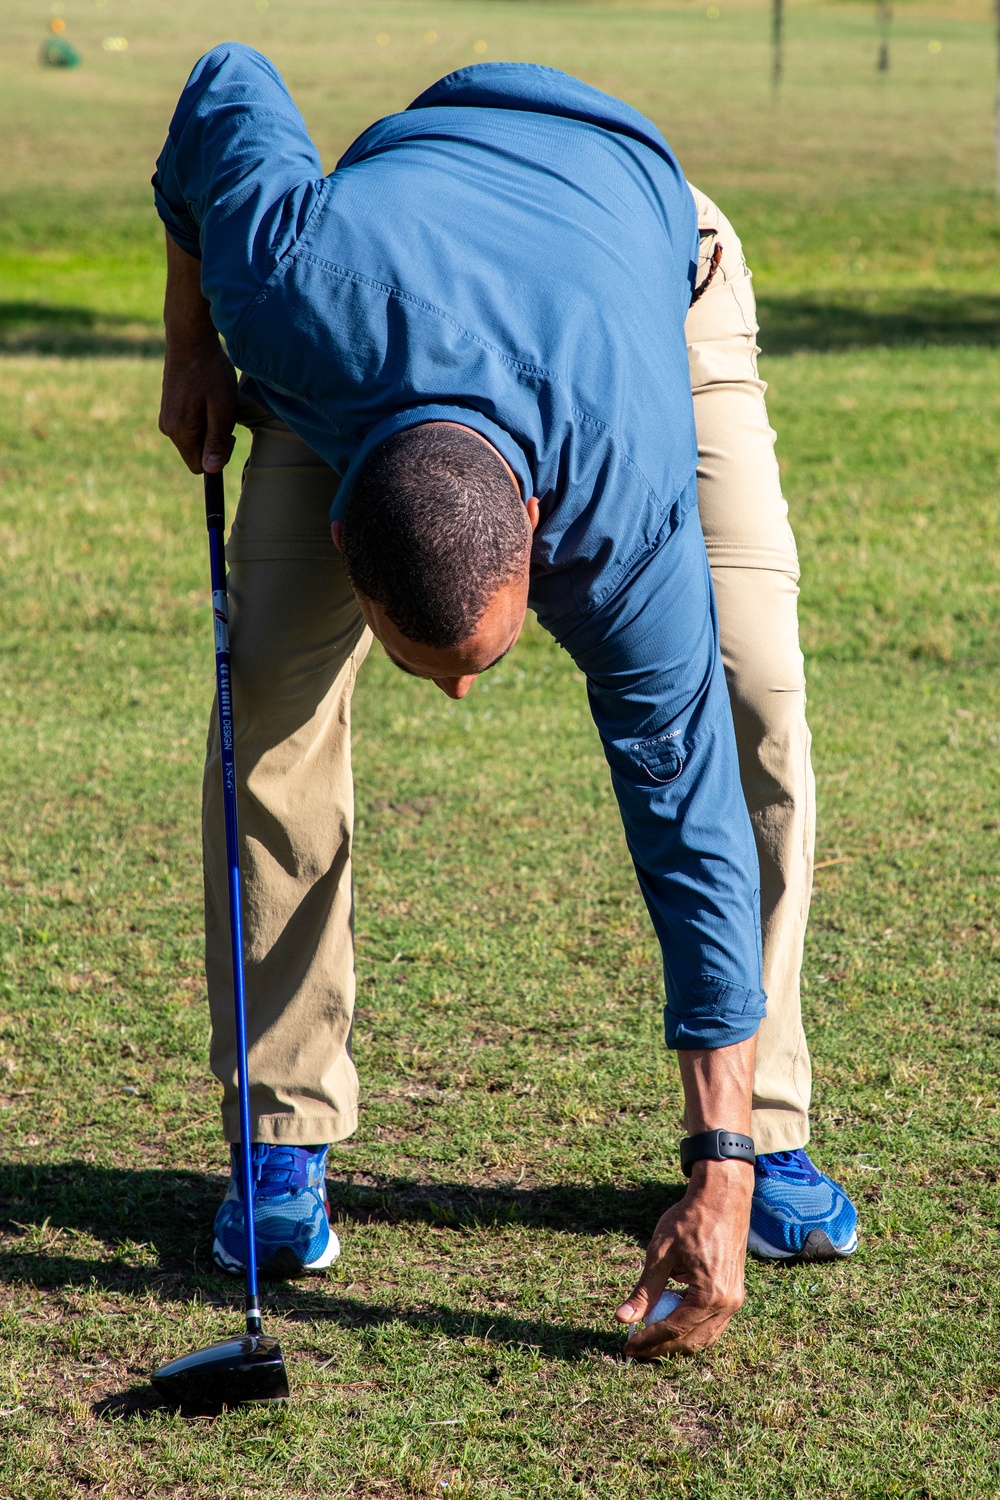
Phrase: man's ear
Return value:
(531, 506)
(337, 531)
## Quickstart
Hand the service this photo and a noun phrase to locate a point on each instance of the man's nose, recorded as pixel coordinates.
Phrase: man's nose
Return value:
(455, 687)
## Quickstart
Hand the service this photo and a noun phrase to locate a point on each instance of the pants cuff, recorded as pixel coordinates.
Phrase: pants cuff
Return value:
(293, 1130)
(778, 1130)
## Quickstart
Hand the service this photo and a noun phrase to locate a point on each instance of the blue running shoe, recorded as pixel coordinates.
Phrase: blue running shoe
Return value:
(798, 1212)
(291, 1215)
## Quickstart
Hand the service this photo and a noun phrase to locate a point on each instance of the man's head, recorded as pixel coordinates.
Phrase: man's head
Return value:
(437, 544)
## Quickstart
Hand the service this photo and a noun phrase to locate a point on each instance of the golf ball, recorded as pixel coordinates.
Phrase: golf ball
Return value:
(661, 1309)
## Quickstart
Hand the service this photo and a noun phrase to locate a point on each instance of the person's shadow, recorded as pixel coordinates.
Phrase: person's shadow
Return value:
(155, 1227)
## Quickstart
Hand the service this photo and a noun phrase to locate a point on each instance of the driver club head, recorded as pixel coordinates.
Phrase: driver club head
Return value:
(231, 1373)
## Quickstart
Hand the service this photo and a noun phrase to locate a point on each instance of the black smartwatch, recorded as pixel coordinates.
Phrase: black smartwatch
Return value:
(715, 1145)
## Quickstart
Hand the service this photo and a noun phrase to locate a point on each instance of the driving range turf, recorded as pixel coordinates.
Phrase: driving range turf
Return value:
(518, 1137)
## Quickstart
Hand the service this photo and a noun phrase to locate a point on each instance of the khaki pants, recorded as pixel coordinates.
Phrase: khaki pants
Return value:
(298, 639)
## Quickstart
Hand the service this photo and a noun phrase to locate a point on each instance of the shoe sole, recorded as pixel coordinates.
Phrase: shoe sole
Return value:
(818, 1246)
(283, 1265)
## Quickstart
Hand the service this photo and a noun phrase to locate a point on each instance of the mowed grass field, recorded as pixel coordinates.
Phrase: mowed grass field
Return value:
(520, 1120)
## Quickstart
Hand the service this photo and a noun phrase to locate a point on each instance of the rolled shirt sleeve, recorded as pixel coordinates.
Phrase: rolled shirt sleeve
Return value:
(658, 696)
(238, 176)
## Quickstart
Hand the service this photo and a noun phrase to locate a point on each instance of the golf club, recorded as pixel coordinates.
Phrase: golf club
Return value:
(251, 1367)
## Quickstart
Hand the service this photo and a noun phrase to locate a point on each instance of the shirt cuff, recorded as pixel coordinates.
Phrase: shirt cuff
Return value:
(182, 229)
(715, 1014)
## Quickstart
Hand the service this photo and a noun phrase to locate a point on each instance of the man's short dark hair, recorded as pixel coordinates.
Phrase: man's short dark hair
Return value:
(434, 526)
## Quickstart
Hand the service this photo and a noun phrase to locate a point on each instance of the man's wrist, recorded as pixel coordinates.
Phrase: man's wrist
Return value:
(722, 1178)
(193, 334)
(716, 1145)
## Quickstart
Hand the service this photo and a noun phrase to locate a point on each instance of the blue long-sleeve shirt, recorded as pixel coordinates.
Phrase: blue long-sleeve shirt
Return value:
(515, 252)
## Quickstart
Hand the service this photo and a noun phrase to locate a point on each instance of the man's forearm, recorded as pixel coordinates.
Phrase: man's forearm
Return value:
(718, 1095)
(187, 316)
(198, 405)
(718, 1086)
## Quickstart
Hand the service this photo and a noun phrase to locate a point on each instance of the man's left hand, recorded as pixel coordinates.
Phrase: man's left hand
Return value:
(700, 1242)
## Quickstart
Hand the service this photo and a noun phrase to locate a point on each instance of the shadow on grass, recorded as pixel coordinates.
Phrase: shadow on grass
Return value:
(45, 328)
(138, 1402)
(789, 324)
(156, 1227)
(172, 1212)
(167, 1210)
(162, 1219)
(552, 1339)
(876, 320)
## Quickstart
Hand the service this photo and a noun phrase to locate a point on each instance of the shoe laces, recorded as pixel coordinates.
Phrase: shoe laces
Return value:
(788, 1166)
(279, 1169)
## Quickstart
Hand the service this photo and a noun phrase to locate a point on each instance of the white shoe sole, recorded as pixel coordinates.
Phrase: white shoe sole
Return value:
(821, 1248)
(227, 1262)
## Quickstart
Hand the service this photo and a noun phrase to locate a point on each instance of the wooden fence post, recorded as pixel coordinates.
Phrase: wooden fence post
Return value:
(884, 14)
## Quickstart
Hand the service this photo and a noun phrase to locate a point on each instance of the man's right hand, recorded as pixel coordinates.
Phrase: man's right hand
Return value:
(198, 405)
(701, 1241)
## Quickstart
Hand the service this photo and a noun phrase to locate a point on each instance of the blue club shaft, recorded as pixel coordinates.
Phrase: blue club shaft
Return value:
(215, 515)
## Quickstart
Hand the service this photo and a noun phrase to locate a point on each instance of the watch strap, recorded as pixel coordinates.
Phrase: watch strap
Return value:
(716, 1145)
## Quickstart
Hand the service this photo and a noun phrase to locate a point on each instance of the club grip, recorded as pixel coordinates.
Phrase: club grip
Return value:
(215, 501)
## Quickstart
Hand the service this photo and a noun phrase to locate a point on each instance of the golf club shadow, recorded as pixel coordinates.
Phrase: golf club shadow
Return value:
(139, 1402)
(552, 1339)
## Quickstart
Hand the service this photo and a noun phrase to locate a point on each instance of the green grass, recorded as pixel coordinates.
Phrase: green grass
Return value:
(520, 1121)
(852, 190)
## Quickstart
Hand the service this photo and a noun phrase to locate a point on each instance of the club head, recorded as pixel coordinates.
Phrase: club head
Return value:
(231, 1373)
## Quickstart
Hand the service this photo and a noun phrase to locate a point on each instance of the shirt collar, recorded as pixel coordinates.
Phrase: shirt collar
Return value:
(413, 416)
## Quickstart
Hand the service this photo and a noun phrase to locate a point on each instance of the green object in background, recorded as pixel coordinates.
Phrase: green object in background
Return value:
(57, 53)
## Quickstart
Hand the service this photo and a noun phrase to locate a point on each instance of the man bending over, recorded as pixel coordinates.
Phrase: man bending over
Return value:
(473, 348)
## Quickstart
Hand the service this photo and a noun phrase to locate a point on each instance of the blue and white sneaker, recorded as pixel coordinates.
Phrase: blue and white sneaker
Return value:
(291, 1213)
(798, 1212)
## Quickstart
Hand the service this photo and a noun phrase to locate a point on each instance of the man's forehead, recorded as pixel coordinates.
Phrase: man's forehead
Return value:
(426, 676)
